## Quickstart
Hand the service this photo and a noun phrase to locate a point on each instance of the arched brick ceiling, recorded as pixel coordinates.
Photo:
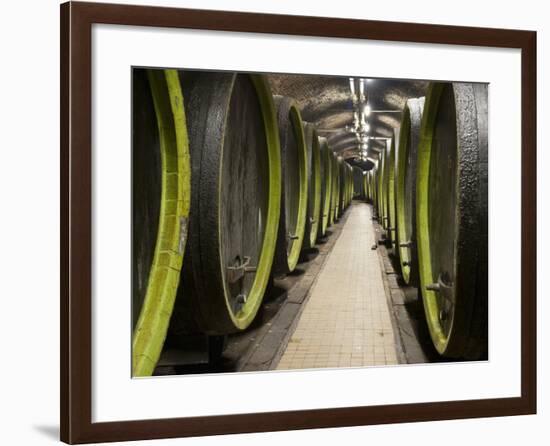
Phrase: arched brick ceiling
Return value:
(326, 101)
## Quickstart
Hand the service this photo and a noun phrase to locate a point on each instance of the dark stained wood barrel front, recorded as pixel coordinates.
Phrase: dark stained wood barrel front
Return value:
(405, 189)
(385, 177)
(381, 201)
(391, 230)
(235, 203)
(326, 184)
(451, 199)
(334, 192)
(292, 222)
(314, 186)
(342, 186)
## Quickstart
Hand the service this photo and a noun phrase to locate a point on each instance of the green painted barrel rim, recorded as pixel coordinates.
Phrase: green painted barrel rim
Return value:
(246, 314)
(154, 318)
(431, 308)
(298, 125)
(402, 156)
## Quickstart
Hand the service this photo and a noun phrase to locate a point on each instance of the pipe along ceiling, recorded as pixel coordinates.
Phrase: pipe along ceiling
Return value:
(356, 115)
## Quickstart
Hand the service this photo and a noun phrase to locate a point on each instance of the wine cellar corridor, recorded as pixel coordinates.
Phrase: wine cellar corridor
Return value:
(296, 221)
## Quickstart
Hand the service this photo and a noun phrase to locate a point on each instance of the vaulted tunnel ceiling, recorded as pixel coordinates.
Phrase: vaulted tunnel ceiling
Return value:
(326, 101)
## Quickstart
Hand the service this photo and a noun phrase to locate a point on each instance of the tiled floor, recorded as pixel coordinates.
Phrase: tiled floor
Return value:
(346, 322)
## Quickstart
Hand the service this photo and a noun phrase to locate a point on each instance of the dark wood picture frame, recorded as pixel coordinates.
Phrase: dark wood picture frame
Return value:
(76, 221)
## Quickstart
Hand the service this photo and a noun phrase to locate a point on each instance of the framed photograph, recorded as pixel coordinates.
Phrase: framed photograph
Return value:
(277, 222)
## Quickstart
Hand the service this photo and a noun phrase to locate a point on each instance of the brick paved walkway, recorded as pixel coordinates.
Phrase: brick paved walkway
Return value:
(346, 322)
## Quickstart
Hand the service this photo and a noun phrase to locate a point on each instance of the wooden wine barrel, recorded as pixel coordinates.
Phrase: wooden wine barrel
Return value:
(336, 190)
(372, 188)
(292, 221)
(386, 189)
(235, 201)
(347, 189)
(451, 202)
(351, 185)
(314, 185)
(342, 190)
(391, 230)
(358, 183)
(405, 189)
(366, 191)
(372, 182)
(381, 203)
(332, 188)
(374, 185)
(161, 187)
(326, 184)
